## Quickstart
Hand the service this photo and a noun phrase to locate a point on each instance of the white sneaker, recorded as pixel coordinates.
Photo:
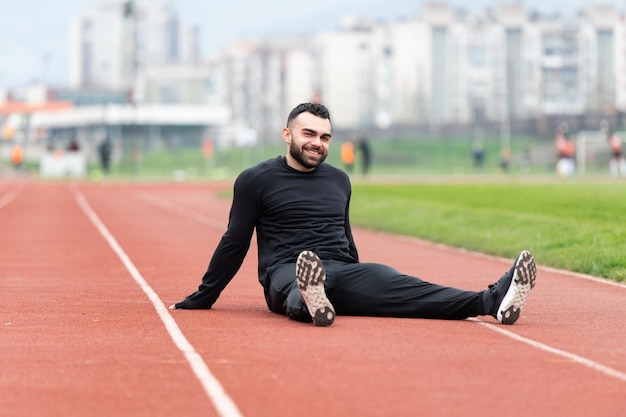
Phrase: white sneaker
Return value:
(511, 291)
(311, 278)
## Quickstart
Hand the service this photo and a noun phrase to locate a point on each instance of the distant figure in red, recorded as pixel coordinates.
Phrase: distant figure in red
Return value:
(617, 166)
(17, 156)
(566, 149)
(348, 156)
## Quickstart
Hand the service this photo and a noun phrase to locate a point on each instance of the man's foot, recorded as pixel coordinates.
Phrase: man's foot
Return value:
(311, 277)
(510, 292)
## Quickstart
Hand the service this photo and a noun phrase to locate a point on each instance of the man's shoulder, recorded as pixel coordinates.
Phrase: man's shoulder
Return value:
(334, 172)
(259, 170)
(332, 168)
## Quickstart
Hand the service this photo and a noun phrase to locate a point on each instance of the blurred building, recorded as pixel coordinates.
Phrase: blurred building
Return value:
(113, 42)
(444, 67)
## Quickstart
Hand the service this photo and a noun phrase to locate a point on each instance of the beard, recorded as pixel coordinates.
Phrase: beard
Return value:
(298, 154)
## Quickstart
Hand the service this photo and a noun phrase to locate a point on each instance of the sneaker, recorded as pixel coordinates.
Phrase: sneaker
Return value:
(311, 277)
(510, 292)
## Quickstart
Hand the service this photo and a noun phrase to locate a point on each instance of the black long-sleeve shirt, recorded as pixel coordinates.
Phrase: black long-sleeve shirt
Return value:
(292, 211)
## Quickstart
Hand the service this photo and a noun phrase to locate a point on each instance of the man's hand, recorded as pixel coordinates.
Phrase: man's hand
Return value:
(172, 307)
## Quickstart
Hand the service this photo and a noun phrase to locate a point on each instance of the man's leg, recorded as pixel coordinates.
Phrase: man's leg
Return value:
(282, 294)
(379, 290)
(614, 167)
(622, 167)
(369, 289)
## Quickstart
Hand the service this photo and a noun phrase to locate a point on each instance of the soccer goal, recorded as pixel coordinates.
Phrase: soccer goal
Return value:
(593, 152)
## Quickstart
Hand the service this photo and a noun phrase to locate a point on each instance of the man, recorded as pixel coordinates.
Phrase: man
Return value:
(617, 166)
(17, 156)
(366, 154)
(308, 262)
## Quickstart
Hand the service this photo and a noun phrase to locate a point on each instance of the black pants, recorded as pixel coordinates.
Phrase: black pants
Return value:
(369, 289)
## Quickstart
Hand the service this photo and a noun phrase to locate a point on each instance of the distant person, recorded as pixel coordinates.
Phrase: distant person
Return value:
(566, 150)
(104, 151)
(308, 263)
(617, 165)
(478, 153)
(505, 159)
(366, 154)
(73, 146)
(347, 156)
(17, 156)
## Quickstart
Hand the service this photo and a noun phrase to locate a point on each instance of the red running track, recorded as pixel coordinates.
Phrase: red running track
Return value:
(87, 270)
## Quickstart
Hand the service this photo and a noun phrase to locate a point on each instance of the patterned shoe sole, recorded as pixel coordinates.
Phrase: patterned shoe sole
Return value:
(523, 281)
(311, 277)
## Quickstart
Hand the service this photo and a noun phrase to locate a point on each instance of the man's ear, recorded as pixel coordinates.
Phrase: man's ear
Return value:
(286, 135)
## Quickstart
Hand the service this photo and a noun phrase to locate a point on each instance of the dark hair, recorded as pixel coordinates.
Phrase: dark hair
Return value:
(313, 108)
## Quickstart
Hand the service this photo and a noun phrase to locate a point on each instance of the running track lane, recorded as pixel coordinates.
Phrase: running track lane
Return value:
(80, 337)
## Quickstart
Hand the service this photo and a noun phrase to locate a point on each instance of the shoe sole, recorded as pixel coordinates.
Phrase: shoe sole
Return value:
(523, 281)
(311, 278)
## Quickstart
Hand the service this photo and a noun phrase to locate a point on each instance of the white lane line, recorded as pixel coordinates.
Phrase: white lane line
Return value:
(7, 198)
(220, 399)
(571, 356)
(174, 208)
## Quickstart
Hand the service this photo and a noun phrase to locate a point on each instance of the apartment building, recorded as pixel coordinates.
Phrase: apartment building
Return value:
(444, 66)
(114, 42)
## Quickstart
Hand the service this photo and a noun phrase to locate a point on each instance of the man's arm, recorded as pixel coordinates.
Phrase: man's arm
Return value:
(352, 246)
(231, 251)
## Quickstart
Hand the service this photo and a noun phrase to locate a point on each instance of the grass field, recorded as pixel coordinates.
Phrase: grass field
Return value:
(573, 225)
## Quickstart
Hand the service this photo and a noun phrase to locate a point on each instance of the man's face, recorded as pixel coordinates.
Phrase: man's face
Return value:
(308, 138)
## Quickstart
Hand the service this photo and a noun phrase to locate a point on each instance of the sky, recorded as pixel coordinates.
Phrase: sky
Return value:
(34, 44)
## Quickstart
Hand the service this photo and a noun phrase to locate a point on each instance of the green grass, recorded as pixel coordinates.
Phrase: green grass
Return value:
(578, 226)
(226, 163)
(454, 156)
